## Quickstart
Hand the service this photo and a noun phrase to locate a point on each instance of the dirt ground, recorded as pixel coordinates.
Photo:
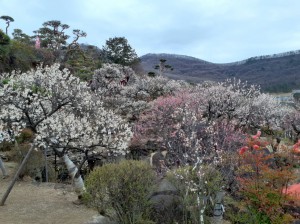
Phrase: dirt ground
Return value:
(46, 203)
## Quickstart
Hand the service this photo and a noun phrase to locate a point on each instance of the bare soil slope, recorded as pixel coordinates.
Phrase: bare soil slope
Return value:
(33, 203)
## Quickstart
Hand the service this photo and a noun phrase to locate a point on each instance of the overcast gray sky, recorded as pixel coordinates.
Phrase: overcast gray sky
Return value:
(212, 30)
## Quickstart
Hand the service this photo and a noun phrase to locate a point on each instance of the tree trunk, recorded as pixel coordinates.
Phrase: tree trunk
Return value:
(6, 29)
(75, 175)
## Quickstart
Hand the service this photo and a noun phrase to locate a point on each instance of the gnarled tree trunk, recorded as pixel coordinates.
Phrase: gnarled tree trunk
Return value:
(74, 173)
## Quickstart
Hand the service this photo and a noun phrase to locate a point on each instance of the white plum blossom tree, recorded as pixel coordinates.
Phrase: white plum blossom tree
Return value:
(241, 104)
(225, 99)
(63, 113)
(127, 93)
(264, 111)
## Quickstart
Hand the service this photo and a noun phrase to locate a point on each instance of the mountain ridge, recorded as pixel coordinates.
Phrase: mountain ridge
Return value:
(274, 73)
(276, 55)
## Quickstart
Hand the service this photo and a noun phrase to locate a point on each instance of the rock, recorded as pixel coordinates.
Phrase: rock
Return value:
(99, 219)
(27, 178)
(166, 203)
(165, 185)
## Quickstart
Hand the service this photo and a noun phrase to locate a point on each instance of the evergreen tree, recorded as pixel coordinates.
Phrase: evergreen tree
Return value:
(8, 20)
(118, 51)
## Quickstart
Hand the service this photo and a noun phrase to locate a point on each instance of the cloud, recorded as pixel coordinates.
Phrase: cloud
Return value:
(218, 31)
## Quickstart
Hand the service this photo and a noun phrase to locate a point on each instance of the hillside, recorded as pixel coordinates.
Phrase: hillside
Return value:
(274, 73)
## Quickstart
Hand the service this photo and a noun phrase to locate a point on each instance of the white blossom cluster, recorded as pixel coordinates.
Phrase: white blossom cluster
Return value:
(129, 97)
(243, 105)
(291, 124)
(62, 112)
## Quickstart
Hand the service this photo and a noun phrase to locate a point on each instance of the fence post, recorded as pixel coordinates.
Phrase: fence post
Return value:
(10, 187)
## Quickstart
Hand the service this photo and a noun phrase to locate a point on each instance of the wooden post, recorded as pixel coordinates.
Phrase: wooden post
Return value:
(46, 166)
(2, 168)
(16, 176)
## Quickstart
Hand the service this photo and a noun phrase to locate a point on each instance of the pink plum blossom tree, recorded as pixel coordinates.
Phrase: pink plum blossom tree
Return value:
(205, 125)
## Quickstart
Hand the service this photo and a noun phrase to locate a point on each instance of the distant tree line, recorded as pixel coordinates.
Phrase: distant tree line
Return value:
(20, 52)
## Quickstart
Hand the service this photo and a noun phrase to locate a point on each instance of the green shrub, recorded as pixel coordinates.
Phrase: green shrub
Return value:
(4, 51)
(4, 39)
(121, 191)
(21, 56)
(44, 56)
(187, 182)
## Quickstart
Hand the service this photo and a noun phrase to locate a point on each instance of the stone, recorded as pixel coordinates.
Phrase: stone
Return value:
(99, 219)
(166, 203)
